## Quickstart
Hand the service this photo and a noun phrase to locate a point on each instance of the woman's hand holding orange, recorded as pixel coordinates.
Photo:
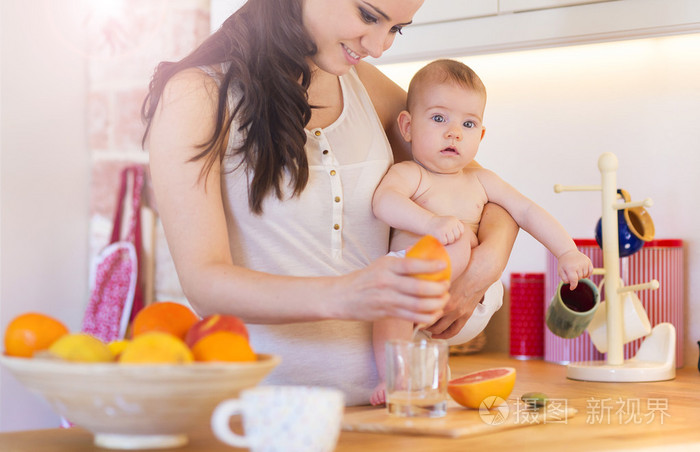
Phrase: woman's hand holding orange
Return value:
(388, 288)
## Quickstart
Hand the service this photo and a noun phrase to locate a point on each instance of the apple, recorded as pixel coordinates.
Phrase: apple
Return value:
(212, 323)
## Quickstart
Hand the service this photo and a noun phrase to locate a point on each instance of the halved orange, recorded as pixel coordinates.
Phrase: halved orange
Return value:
(428, 247)
(471, 389)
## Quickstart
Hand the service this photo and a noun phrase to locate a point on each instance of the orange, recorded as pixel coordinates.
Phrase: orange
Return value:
(166, 317)
(156, 347)
(471, 389)
(428, 247)
(223, 346)
(32, 332)
(213, 323)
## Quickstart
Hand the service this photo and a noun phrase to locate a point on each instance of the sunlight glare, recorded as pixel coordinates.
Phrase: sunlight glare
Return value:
(104, 10)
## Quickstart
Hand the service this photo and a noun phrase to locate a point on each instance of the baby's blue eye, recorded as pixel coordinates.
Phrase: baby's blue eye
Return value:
(469, 124)
(438, 118)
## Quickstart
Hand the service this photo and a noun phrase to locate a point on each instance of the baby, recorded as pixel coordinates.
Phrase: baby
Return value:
(442, 192)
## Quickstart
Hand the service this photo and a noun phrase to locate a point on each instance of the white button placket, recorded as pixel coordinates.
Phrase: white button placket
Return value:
(330, 164)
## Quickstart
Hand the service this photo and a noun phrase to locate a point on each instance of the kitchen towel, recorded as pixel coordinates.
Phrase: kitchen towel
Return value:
(117, 293)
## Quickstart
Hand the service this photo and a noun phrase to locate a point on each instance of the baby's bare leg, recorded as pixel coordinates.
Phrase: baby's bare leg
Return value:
(460, 252)
(382, 331)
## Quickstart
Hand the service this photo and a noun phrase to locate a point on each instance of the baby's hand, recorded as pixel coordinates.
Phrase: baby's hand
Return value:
(574, 265)
(446, 229)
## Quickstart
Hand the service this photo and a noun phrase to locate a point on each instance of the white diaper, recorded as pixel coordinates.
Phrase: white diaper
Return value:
(493, 300)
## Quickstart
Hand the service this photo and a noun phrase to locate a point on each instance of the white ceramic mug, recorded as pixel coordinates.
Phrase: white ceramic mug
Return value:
(282, 418)
(635, 322)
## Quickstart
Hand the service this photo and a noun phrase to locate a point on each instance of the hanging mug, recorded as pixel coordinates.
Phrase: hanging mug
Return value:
(634, 227)
(570, 311)
(635, 322)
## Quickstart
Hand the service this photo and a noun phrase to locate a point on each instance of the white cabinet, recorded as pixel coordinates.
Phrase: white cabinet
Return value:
(446, 10)
(470, 27)
(434, 11)
(512, 6)
(444, 28)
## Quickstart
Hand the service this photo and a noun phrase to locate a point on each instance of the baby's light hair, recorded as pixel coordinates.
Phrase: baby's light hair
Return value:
(441, 71)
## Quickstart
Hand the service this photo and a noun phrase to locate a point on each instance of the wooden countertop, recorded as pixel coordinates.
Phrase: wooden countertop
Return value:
(651, 416)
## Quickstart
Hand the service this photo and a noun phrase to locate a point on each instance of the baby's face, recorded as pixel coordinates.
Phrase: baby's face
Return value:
(446, 126)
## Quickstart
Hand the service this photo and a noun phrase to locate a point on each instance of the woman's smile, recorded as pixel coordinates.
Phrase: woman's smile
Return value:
(353, 57)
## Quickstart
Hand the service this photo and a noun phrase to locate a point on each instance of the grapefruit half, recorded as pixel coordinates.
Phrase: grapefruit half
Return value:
(471, 389)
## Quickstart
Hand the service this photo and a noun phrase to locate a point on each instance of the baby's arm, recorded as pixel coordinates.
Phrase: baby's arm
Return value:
(382, 331)
(393, 205)
(573, 265)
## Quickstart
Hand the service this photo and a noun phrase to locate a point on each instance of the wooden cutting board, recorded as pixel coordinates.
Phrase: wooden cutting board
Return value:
(459, 421)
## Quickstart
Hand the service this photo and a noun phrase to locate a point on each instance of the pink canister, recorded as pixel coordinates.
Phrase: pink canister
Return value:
(661, 260)
(527, 315)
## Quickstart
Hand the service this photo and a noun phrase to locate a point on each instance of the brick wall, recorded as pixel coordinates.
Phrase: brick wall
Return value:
(126, 40)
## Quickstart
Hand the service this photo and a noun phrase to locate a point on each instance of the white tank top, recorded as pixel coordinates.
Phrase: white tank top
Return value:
(328, 230)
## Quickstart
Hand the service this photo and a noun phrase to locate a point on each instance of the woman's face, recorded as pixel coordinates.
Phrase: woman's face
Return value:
(345, 31)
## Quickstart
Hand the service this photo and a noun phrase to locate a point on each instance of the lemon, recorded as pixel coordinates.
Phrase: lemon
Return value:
(156, 347)
(117, 347)
(81, 347)
(471, 389)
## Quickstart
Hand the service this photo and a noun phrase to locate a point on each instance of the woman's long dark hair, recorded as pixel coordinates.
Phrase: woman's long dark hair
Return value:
(266, 45)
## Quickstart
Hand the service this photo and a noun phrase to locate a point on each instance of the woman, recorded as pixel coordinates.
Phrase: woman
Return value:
(266, 144)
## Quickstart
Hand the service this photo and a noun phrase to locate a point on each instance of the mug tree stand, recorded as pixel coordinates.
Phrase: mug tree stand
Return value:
(656, 358)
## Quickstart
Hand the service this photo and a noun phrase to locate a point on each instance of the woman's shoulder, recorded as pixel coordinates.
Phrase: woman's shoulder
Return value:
(192, 82)
(389, 99)
(189, 98)
(383, 91)
(371, 75)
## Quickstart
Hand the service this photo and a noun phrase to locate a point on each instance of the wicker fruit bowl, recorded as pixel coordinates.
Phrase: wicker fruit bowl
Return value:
(132, 406)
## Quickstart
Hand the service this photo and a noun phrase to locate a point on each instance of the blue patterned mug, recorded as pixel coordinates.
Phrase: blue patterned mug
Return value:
(634, 226)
